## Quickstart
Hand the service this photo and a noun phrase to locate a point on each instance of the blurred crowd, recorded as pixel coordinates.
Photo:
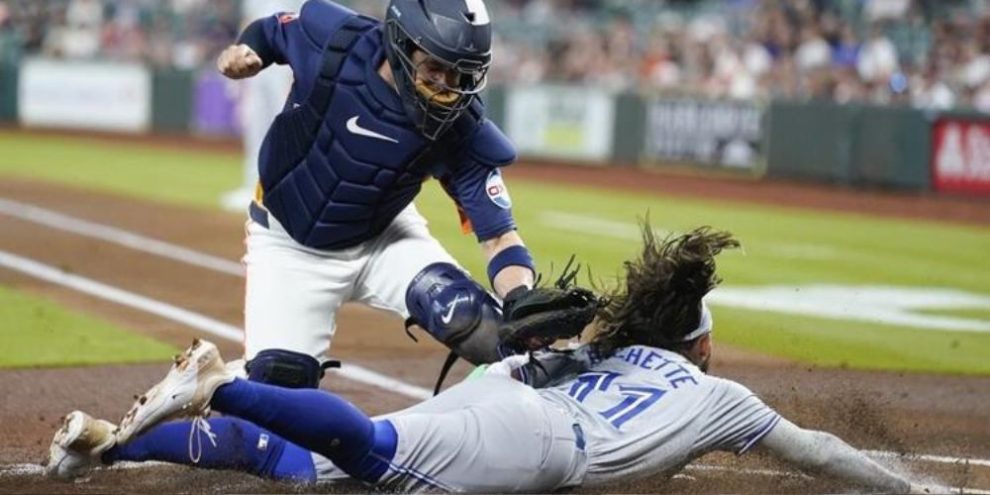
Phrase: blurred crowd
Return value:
(183, 34)
(925, 53)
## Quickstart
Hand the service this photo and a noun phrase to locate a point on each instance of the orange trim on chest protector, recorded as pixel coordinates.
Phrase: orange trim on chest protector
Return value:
(259, 193)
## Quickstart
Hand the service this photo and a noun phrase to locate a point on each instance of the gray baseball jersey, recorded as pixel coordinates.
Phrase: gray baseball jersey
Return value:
(643, 411)
(647, 410)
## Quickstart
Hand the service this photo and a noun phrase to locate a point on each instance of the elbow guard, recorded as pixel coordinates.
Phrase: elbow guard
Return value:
(456, 311)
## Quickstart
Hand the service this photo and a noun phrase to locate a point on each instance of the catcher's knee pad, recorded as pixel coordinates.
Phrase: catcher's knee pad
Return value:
(285, 368)
(455, 310)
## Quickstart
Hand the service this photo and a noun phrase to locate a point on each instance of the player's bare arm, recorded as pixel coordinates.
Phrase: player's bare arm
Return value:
(239, 62)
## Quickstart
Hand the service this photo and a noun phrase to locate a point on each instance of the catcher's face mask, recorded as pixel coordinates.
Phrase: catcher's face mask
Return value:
(439, 51)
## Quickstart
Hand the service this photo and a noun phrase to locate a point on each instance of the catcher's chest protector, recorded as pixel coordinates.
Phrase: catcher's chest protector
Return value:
(343, 159)
(334, 169)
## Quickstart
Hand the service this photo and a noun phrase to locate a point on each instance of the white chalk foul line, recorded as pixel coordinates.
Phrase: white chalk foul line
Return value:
(12, 470)
(750, 471)
(939, 459)
(9, 470)
(185, 317)
(795, 474)
(141, 243)
(118, 236)
(60, 221)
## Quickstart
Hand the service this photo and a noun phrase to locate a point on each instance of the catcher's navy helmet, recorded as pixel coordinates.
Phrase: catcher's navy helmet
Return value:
(455, 33)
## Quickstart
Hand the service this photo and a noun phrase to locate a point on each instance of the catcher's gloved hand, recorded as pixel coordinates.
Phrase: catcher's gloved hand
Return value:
(534, 318)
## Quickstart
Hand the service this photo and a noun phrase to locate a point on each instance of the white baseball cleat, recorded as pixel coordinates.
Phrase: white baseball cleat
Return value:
(185, 392)
(78, 444)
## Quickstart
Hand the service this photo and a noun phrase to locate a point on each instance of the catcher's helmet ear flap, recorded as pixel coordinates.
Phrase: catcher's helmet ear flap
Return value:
(455, 34)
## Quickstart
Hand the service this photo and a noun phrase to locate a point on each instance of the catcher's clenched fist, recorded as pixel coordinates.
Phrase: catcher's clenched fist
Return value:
(238, 62)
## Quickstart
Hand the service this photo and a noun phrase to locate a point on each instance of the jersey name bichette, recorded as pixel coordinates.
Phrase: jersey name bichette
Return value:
(647, 410)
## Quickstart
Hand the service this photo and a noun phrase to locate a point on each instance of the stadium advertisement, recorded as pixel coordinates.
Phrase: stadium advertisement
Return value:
(724, 134)
(961, 155)
(561, 122)
(85, 95)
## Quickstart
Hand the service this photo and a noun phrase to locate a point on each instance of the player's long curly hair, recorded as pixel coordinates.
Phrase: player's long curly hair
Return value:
(661, 300)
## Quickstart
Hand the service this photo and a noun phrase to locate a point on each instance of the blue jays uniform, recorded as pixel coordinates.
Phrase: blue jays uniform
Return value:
(641, 412)
(333, 219)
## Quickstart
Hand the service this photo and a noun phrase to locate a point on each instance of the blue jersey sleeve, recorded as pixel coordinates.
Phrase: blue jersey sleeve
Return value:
(476, 182)
(272, 37)
(296, 39)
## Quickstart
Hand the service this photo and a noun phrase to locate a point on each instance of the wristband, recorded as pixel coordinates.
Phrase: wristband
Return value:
(513, 255)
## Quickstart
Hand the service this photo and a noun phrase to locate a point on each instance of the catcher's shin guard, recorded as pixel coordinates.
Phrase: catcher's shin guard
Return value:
(456, 311)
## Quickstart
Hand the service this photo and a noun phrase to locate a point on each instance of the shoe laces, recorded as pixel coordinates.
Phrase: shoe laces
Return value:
(199, 425)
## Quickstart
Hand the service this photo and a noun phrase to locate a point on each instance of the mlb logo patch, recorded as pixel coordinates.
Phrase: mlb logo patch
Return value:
(496, 190)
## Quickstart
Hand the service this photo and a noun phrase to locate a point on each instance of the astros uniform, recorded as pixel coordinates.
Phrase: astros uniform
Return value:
(643, 411)
(333, 220)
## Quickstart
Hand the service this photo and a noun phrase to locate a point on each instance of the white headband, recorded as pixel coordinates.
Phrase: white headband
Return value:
(704, 326)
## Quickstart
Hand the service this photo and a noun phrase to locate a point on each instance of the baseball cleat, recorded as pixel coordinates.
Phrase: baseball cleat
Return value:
(238, 368)
(185, 392)
(78, 444)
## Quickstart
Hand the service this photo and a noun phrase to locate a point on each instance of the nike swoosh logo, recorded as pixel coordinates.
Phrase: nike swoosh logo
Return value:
(352, 125)
(445, 318)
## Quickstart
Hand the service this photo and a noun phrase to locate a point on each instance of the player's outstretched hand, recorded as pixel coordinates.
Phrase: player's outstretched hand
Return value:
(238, 62)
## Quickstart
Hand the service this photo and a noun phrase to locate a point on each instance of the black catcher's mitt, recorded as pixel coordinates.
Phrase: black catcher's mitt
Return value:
(534, 318)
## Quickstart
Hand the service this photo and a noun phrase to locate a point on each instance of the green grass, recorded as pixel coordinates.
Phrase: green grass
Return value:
(175, 176)
(36, 332)
(860, 249)
(782, 246)
(835, 343)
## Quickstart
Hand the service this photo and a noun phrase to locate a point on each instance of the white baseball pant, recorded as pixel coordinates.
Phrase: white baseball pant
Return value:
(488, 435)
(293, 292)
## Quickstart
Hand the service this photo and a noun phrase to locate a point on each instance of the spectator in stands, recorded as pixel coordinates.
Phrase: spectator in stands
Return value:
(878, 58)
(928, 53)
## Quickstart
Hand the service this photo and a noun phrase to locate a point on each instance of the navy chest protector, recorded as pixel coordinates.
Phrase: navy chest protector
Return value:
(337, 169)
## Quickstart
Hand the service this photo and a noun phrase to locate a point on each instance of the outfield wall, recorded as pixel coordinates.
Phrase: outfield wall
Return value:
(8, 92)
(892, 147)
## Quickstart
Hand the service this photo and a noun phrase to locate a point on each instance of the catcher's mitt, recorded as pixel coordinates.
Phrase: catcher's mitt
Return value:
(534, 318)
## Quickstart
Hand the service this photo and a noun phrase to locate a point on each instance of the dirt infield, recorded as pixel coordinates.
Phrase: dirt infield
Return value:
(904, 413)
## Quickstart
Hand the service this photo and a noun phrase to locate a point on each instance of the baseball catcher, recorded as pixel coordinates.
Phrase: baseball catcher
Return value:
(376, 108)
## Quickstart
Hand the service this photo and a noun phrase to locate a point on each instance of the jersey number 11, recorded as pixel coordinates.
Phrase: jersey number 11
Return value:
(634, 401)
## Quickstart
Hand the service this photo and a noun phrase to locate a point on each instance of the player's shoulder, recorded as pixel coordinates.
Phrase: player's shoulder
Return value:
(730, 392)
(485, 143)
(490, 146)
(321, 18)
